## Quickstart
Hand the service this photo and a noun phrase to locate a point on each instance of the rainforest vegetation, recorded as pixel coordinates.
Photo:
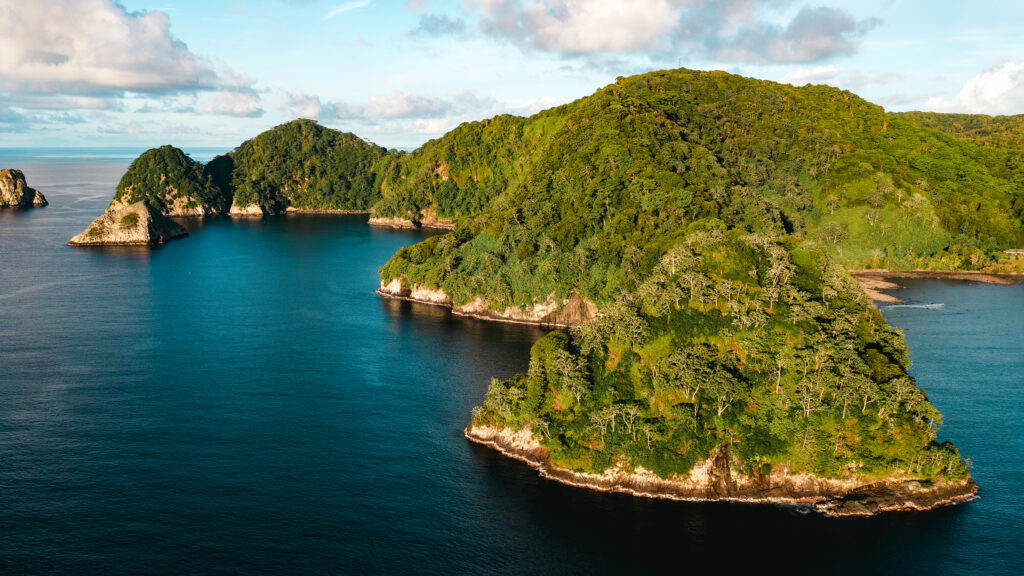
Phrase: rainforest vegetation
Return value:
(166, 176)
(711, 219)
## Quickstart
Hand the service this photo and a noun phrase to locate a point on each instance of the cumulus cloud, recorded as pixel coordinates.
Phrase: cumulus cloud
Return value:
(840, 77)
(241, 104)
(580, 26)
(998, 90)
(814, 34)
(721, 30)
(89, 46)
(397, 105)
(95, 54)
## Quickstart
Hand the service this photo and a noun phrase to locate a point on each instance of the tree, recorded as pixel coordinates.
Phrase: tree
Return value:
(572, 372)
(629, 413)
(602, 418)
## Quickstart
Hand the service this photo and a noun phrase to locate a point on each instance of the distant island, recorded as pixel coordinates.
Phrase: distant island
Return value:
(690, 233)
(16, 193)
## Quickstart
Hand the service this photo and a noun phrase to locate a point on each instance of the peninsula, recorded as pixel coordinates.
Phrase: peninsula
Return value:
(690, 234)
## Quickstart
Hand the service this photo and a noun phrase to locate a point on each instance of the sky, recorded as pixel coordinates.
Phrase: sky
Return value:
(143, 73)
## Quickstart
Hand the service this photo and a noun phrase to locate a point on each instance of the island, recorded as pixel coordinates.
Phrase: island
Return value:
(689, 238)
(16, 193)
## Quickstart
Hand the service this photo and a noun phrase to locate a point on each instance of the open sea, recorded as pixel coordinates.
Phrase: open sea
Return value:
(241, 402)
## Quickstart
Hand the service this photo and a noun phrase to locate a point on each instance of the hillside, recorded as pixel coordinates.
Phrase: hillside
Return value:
(707, 218)
(692, 230)
(304, 166)
(166, 179)
(876, 189)
(990, 131)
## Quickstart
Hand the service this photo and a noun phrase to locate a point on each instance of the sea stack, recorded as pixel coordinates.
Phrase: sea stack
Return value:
(126, 224)
(16, 193)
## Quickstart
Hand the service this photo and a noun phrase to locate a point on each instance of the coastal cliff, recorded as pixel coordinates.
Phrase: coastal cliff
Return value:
(551, 313)
(129, 224)
(718, 478)
(16, 193)
(426, 219)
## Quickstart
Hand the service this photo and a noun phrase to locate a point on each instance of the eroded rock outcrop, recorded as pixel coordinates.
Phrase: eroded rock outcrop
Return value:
(248, 210)
(125, 224)
(16, 193)
(552, 313)
(427, 219)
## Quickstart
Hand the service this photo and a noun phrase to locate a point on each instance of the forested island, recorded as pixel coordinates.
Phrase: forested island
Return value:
(691, 233)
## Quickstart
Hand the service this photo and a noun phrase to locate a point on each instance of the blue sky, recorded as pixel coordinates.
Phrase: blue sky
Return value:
(215, 72)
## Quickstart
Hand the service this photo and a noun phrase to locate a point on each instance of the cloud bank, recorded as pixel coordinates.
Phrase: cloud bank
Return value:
(723, 30)
(96, 50)
(998, 90)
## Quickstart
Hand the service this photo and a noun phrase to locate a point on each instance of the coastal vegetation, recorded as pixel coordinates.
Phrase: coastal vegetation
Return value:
(704, 223)
(171, 182)
(305, 166)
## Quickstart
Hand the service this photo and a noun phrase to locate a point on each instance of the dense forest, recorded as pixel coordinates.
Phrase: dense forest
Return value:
(306, 166)
(711, 219)
(992, 131)
(168, 180)
(299, 164)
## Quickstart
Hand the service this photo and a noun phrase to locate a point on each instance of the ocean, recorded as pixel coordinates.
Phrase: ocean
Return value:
(241, 402)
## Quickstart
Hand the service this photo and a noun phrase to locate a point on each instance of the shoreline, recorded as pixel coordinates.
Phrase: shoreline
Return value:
(827, 496)
(457, 312)
(876, 282)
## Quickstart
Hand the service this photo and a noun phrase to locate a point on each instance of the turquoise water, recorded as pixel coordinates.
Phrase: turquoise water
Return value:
(240, 401)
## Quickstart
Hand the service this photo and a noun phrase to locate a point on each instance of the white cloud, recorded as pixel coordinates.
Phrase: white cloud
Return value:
(581, 26)
(815, 75)
(998, 90)
(94, 46)
(242, 104)
(347, 7)
(720, 30)
(402, 105)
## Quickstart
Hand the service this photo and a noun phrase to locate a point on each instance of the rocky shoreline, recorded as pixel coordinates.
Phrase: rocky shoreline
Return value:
(873, 282)
(551, 314)
(127, 225)
(715, 480)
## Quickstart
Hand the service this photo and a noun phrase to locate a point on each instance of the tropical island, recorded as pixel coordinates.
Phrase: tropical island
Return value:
(692, 234)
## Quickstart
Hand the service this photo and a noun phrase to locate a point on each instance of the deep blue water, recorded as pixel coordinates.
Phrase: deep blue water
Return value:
(240, 401)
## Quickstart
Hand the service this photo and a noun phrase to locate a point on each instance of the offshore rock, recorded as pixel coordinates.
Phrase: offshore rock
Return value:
(16, 193)
(130, 224)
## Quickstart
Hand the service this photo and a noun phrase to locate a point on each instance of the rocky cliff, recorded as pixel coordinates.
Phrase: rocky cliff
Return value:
(137, 223)
(16, 193)
(551, 313)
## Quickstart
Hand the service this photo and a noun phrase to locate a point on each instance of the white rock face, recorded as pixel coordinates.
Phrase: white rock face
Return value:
(136, 223)
(552, 312)
(15, 192)
(250, 210)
